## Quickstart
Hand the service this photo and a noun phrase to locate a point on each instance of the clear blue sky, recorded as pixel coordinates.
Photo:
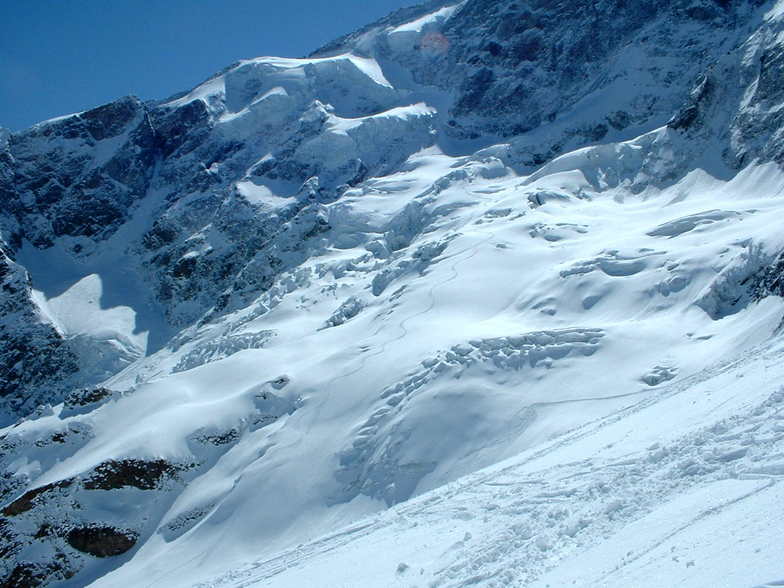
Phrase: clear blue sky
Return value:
(64, 56)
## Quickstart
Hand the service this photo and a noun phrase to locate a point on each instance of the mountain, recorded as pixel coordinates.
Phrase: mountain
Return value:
(485, 293)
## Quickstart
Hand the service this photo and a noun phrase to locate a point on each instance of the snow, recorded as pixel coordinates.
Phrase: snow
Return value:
(476, 374)
(420, 109)
(609, 504)
(370, 68)
(587, 302)
(419, 24)
(98, 297)
(405, 37)
(262, 196)
(554, 321)
(258, 80)
(775, 12)
(109, 333)
(73, 311)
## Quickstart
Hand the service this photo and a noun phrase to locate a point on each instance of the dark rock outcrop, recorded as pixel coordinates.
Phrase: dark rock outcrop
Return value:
(80, 176)
(515, 66)
(36, 363)
(101, 541)
(129, 473)
(27, 501)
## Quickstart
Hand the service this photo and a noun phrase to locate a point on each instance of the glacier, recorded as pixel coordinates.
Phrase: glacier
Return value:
(485, 293)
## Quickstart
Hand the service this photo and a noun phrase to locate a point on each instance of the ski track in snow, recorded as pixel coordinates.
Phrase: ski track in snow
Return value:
(316, 411)
(521, 519)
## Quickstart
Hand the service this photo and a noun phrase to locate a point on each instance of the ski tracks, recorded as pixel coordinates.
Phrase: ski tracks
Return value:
(525, 518)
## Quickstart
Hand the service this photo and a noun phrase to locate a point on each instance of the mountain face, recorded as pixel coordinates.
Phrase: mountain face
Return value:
(310, 290)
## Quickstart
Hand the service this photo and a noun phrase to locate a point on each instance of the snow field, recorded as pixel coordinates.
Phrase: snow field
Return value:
(462, 394)
(649, 496)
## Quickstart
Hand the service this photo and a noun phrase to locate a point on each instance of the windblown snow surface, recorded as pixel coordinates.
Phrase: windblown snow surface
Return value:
(571, 328)
(480, 375)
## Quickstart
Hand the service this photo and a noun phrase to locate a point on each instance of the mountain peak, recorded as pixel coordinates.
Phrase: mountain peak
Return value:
(515, 261)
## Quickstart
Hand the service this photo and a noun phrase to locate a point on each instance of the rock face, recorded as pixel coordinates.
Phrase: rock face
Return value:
(77, 178)
(593, 69)
(223, 270)
(61, 519)
(100, 541)
(36, 363)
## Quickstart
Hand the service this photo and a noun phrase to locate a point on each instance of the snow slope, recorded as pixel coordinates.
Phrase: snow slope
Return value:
(525, 309)
(371, 337)
(681, 489)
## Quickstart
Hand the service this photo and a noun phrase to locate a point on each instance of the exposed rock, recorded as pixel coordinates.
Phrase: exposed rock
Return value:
(769, 281)
(225, 197)
(86, 397)
(145, 475)
(66, 186)
(27, 575)
(101, 541)
(516, 66)
(181, 129)
(756, 275)
(28, 500)
(36, 363)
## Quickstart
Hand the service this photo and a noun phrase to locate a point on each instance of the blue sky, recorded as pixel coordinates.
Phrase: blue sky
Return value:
(64, 56)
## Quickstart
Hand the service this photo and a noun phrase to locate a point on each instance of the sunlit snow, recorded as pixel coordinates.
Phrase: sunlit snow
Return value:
(476, 372)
